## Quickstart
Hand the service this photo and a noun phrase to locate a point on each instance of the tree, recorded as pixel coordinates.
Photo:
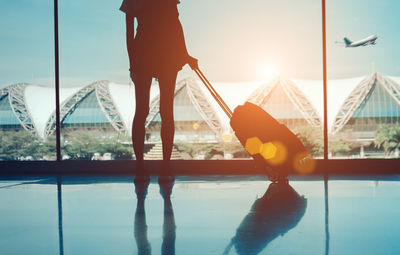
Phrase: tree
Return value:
(82, 145)
(18, 145)
(119, 146)
(388, 138)
(312, 139)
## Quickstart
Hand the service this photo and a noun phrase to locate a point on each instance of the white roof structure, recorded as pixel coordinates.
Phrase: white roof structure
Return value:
(189, 89)
(41, 103)
(361, 93)
(233, 94)
(34, 105)
(275, 97)
(337, 93)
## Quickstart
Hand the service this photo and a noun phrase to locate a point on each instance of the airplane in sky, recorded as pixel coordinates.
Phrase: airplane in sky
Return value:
(370, 40)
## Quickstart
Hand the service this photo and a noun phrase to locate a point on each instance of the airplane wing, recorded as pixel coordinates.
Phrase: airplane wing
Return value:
(369, 42)
(372, 42)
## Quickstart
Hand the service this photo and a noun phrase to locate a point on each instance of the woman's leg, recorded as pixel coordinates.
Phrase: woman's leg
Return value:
(142, 97)
(167, 90)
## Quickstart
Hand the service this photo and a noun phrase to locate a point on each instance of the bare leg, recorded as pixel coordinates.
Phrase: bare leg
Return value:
(167, 90)
(142, 96)
(140, 225)
(169, 227)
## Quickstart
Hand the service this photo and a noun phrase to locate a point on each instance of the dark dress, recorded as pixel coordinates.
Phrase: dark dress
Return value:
(159, 44)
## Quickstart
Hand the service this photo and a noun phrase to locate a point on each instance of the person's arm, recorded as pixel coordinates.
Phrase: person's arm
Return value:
(130, 36)
(193, 62)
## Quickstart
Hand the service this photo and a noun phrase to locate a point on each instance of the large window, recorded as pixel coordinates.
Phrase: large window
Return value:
(28, 214)
(27, 96)
(363, 99)
(96, 93)
(268, 53)
(247, 52)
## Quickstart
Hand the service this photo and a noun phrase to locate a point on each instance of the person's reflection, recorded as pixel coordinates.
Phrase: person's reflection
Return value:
(140, 225)
(169, 227)
(274, 214)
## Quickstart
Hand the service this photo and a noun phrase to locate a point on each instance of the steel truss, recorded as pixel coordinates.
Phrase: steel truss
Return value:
(16, 97)
(360, 94)
(108, 107)
(261, 96)
(104, 99)
(3, 93)
(302, 103)
(199, 101)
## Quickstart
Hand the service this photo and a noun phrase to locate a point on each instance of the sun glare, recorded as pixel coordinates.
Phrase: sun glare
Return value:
(268, 72)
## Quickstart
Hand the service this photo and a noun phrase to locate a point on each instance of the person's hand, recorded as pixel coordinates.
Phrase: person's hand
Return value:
(193, 62)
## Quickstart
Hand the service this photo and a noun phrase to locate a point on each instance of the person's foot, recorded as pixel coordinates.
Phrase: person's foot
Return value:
(141, 187)
(166, 187)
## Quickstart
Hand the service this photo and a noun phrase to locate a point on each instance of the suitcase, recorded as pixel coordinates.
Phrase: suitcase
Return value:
(271, 144)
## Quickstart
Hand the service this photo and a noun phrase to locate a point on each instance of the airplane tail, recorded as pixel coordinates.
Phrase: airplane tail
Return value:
(347, 41)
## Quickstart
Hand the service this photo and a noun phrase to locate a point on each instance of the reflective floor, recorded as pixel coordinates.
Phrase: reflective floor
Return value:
(199, 215)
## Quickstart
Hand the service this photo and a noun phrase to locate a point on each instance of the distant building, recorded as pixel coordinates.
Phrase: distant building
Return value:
(375, 101)
(287, 103)
(357, 106)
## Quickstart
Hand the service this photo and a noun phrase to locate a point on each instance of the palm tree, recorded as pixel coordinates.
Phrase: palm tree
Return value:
(388, 138)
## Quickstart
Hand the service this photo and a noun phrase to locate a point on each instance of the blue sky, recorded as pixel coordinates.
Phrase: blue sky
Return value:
(233, 41)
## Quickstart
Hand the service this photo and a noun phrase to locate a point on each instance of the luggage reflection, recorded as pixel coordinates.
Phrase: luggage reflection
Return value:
(273, 215)
(140, 224)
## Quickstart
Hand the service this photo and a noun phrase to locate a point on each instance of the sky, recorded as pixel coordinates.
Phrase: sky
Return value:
(234, 40)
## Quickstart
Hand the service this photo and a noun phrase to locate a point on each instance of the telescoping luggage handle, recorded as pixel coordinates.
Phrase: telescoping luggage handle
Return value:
(214, 93)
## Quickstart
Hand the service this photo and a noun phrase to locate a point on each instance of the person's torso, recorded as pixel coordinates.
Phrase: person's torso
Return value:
(158, 15)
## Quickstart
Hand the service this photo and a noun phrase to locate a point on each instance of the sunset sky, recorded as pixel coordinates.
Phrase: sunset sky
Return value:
(233, 41)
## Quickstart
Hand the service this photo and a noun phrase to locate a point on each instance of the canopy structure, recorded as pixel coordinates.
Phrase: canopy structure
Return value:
(373, 102)
(14, 110)
(358, 105)
(286, 102)
(90, 104)
(193, 112)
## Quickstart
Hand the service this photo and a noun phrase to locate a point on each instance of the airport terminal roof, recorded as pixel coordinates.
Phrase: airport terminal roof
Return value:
(34, 105)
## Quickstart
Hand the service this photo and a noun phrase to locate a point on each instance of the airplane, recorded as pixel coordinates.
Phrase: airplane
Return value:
(370, 40)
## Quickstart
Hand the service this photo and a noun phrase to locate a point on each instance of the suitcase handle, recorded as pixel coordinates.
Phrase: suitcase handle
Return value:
(214, 93)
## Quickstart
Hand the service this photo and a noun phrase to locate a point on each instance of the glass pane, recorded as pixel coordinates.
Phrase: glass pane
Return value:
(98, 215)
(28, 216)
(96, 94)
(27, 94)
(363, 216)
(363, 86)
(248, 53)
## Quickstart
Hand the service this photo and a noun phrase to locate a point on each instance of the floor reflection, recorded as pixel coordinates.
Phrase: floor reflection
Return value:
(140, 224)
(274, 214)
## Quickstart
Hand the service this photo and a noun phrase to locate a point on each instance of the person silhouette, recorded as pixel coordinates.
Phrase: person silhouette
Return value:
(140, 224)
(158, 50)
(169, 227)
(272, 215)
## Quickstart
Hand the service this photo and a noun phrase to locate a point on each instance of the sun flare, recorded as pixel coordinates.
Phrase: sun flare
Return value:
(268, 71)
